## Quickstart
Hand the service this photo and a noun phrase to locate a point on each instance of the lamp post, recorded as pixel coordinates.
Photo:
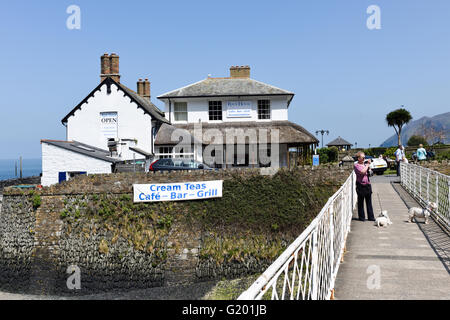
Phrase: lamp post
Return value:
(322, 132)
(356, 145)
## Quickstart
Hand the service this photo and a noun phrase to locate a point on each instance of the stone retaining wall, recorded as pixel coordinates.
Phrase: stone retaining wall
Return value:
(43, 232)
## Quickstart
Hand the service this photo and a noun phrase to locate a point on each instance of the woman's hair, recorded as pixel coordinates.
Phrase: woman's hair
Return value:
(359, 153)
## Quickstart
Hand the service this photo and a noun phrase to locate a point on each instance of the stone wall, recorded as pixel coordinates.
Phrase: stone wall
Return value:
(91, 222)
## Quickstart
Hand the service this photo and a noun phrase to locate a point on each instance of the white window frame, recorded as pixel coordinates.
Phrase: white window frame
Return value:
(175, 152)
(269, 112)
(176, 112)
(215, 103)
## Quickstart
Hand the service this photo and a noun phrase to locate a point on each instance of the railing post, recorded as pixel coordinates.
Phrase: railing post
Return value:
(437, 191)
(428, 185)
(331, 235)
(420, 182)
(315, 267)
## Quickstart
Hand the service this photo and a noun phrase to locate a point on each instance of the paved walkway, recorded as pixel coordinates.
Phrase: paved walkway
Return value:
(403, 261)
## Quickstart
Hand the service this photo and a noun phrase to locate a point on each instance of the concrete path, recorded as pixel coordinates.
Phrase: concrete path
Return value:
(403, 261)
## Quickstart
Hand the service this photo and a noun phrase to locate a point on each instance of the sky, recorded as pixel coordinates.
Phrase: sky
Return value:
(345, 77)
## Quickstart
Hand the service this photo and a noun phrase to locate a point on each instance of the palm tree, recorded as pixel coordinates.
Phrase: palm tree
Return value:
(397, 119)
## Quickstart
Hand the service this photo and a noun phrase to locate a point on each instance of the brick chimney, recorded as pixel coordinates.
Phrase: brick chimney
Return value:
(240, 72)
(140, 87)
(109, 67)
(143, 88)
(147, 89)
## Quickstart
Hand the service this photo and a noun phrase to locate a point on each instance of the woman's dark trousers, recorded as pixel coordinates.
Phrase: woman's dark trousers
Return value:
(365, 194)
(368, 199)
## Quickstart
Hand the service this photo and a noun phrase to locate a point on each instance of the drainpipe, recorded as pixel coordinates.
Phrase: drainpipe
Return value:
(170, 111)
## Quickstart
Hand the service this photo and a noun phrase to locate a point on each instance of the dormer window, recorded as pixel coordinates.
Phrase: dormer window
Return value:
(180, 111)
(215, 110)
(263, 109)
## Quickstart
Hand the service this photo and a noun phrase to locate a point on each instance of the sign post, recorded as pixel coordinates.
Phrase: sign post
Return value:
(315, 160)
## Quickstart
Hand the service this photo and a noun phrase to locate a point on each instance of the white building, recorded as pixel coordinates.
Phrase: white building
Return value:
(110, 111)
(114, 124)
(236, 107)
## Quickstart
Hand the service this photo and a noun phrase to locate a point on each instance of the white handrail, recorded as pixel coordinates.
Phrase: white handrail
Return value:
(307, 269)
(427, 185)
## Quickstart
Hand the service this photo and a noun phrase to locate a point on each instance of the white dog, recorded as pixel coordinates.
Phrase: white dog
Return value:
(383, 219)
(423, 213)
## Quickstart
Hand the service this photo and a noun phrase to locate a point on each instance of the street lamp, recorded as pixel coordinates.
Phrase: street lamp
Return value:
(322, 132)
(356, 145)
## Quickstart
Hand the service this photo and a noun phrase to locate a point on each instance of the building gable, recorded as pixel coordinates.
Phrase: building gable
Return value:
(148, 107)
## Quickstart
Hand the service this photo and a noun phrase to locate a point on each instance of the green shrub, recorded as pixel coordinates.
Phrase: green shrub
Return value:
(36, 199)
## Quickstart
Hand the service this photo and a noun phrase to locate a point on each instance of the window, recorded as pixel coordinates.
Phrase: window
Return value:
(215, 110)
(180, 111)
(263, 109)
(165, 152)
(174, 152)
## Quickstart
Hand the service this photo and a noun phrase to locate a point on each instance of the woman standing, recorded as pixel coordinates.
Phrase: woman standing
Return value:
(363, 187)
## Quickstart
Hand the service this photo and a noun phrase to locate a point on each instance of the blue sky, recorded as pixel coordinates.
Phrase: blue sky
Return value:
(346, 77)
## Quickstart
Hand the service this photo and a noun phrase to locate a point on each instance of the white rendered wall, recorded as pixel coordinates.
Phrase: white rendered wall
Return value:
(84, 126)
(197, 109)
(55, 160)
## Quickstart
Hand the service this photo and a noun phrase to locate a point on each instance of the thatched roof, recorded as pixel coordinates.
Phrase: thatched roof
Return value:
(252, 132)
(339, 142)
(171, 135)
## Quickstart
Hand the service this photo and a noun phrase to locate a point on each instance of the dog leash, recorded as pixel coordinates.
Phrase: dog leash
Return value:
(381, 207)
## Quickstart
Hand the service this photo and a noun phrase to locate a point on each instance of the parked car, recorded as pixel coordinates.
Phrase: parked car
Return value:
(174, 164)
(378, 165)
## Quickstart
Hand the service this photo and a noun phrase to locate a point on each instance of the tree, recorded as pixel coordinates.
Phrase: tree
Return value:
(416, 140)
(397, 119)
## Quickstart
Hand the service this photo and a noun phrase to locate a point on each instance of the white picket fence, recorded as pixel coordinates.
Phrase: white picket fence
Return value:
(427, 185)
(307, 269)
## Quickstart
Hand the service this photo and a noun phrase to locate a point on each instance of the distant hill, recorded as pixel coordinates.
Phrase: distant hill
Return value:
(441, 122)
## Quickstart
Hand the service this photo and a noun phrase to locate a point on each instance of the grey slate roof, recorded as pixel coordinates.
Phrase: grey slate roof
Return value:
(148, 106)
(145, 104)
(214, 87)
(339, 142)
(140, 151)
(83, 149)
(289, 132)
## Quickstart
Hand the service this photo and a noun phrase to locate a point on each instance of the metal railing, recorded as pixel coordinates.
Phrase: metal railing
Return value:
(307, 269)
(427, 185)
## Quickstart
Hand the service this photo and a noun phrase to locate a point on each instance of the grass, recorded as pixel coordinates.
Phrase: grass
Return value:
(390, 171)
(230, 289)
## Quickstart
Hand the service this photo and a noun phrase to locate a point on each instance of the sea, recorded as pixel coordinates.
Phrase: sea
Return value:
(30, 167)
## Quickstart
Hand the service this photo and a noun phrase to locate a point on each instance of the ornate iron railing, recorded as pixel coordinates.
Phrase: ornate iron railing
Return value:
(307, 269)
(427, 185)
